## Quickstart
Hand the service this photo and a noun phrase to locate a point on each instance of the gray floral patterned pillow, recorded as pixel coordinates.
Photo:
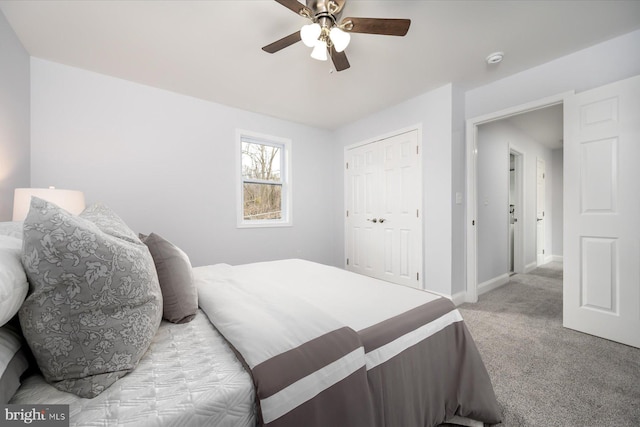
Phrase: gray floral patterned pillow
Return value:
(94, 302)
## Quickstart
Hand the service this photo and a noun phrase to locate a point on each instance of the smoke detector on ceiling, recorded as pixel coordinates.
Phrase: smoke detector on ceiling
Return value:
(495, 57)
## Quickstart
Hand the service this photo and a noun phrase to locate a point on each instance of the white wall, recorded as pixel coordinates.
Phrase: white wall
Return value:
(458, 169)
(14, 117)
(557, 169)
(494, 140)
(433, 110)
(598, 65)
(166, 163)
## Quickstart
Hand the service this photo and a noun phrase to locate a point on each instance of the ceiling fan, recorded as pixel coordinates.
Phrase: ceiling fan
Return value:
(325, 35)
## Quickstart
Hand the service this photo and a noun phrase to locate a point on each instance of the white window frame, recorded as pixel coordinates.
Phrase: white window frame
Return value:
(285, 173)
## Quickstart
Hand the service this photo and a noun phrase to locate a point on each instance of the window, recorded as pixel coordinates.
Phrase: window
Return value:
(264, 180)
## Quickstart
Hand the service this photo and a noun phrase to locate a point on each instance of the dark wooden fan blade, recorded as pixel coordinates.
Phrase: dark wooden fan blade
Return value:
(339, 59)
(282, 43)
(388, 27)
(297, 7)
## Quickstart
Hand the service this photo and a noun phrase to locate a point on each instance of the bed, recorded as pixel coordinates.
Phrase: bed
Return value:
(291, 343)
(321, 342)
(188, 377)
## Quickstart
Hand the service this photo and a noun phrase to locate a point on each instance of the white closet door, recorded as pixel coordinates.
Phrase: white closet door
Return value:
(602, 212)
(383, 227)
(363, 182)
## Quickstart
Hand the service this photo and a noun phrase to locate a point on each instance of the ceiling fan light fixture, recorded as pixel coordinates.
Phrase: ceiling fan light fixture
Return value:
(320, 51)
(310, 33)
(339, 38)
(327, 35)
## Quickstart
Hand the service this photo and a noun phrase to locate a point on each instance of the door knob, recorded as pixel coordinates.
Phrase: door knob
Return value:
(374, 220)
(382, 220)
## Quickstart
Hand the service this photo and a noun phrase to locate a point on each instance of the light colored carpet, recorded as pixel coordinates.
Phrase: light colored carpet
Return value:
(544, 374)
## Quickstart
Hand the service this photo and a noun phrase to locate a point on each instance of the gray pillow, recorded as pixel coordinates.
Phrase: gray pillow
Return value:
(179, 294)
(94, 303)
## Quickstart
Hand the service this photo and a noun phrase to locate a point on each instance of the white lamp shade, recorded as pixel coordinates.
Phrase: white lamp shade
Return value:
(339, 38)
(69, 200)
(320, 51)
(309, 34)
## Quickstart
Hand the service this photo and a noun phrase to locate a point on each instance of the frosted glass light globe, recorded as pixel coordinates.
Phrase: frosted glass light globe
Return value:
(339, 38)
(309, 34)
(320, 51)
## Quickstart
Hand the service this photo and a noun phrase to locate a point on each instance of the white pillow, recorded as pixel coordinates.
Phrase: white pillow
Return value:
(13, 361)
(11, 228)
(13, 281)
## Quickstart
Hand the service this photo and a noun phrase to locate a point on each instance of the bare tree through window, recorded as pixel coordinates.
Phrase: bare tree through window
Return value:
(262, 181)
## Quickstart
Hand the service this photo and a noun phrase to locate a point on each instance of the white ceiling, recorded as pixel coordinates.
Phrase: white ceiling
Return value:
(211, 49)
(543, 125)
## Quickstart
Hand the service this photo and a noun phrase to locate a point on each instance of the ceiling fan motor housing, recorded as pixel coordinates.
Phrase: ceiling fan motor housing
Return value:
(325, 6)
(326, 14)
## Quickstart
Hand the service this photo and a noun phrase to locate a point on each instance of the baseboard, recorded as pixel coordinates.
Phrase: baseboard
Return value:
(453, 298)
(492, 284)
(530, 267)
(459, 298)
(556, 258)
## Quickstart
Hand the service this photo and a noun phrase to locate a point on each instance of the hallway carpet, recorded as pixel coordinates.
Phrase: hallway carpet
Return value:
(544, 374)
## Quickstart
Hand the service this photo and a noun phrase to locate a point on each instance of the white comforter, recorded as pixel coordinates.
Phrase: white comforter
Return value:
(317, 286)
(269, 310)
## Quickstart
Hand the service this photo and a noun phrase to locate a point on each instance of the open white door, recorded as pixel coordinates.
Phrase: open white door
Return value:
(602, 212)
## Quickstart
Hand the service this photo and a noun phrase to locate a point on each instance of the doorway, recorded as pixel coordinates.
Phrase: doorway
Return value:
(540, 211)
(512, 210)
(516, 211)
(476, 201)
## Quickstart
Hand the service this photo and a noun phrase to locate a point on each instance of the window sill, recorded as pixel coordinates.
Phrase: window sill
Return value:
(264, 224)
